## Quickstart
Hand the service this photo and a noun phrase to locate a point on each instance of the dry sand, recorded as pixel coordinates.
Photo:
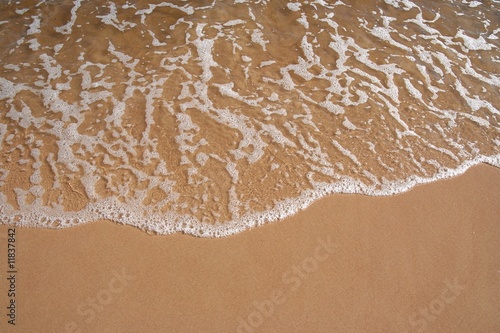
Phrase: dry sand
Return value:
(424, 261)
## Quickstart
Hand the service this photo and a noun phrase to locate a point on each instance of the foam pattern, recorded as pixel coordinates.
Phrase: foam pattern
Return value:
(211, 118)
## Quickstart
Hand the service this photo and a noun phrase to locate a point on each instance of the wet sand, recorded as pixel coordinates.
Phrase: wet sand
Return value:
(199, 113)
(423, 261)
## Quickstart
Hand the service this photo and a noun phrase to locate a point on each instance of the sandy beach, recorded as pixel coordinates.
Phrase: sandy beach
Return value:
(145, 146)
(423, 261)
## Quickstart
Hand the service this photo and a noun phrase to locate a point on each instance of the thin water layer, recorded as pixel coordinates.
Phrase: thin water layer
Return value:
(212, 117)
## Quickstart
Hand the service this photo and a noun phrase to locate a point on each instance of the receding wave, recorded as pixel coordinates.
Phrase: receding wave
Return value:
(212, 117)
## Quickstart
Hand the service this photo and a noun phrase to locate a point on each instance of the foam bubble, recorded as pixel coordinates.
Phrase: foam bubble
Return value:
(293, 6)
(473, 43)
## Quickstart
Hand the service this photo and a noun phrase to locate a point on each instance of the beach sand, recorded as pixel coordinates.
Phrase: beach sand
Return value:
(424, 261)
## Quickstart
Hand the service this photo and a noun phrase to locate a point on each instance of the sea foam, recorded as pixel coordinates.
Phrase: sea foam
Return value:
(211, 119)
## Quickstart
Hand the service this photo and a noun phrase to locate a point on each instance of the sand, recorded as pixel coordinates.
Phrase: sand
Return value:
(423, 261)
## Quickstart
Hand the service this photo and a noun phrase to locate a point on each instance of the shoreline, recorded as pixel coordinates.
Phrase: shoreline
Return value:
(426, 259)
(186, 225)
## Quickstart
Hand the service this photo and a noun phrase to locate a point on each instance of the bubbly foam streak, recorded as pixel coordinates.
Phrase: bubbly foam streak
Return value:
(212, 117)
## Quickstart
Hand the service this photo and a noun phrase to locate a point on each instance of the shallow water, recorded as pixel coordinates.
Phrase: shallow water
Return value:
(210, 118)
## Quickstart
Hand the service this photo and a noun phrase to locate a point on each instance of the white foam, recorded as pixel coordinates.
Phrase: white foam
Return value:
(259, 108)
(8, 89)
(112, 19)
(384, 34)
(22, 11)
(294, 6)
(412, 90)
(332, 107)
(303, 20)
(475, 4)
(267, 63)
(347, 124)
(257, 38)
(474, 43)
(202, 158)
(232, 23)
(346, 152)
(68, 27)
(145, 12)
(204, 48)
(34, 27)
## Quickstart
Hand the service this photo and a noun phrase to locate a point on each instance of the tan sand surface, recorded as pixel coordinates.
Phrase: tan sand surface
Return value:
(424, 261)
